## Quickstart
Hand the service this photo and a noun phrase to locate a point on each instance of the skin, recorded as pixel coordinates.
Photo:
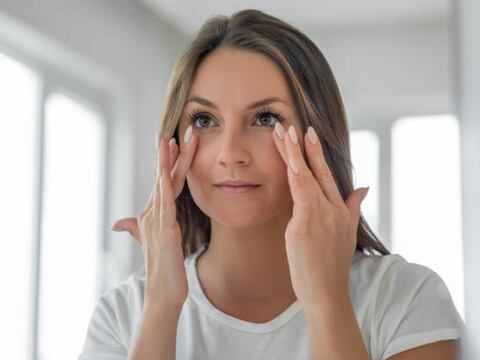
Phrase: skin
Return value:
(246, 262)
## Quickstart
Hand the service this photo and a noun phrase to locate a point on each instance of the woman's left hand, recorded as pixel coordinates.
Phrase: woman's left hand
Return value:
(321, 236)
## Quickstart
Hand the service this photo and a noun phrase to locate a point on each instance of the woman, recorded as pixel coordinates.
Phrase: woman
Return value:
(283, 266)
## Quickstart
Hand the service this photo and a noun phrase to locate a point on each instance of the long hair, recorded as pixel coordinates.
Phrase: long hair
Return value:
(315, 93)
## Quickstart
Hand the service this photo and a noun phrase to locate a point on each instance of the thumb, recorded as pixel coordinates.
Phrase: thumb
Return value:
(127, 224)
(354, 202)
(363, 195)
(130, 225)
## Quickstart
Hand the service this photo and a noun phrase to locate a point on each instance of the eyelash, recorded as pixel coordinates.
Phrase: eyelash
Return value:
(264, 111)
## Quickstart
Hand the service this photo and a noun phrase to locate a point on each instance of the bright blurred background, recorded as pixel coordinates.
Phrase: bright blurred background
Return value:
(81, 89)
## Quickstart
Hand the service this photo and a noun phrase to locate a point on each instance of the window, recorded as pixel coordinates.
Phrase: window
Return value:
(18, 99)
(426, 214)
(70, 228)
(51, 212)
(364, 149)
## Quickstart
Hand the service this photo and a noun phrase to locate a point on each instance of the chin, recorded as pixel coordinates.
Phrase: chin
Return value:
(237, 216)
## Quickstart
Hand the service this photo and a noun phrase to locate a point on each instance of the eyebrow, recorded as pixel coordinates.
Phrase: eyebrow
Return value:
(253, 105)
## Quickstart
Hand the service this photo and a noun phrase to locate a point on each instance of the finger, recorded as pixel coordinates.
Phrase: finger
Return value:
(167, 200)
(130, 225)
(174, 155)
(302, 182)
(172, 149)
(320, 167)
(123, 224)
(149, 204)
(156, 189)
(278, 138)
(184, 161)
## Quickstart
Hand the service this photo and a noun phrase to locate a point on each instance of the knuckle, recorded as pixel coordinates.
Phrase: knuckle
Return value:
(144, 219)
(325, 173)
(302, 179)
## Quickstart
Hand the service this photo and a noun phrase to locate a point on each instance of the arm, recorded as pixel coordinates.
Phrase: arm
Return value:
(157, 335)
(334, 331)
(440, 350)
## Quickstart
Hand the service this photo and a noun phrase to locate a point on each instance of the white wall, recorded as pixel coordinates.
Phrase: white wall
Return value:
(127, 54)
(393, 69)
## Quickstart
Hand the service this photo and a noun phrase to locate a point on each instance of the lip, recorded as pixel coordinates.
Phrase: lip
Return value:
(237, 189)
(231, 182)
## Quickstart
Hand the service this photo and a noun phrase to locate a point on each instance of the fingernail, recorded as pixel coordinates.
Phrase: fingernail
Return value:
(279, 130)
(171, 144)
(293, 134)
(188, 135)
(116, 228)
(312, 135)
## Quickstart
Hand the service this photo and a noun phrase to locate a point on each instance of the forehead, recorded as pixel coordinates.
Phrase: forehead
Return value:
(238, 77)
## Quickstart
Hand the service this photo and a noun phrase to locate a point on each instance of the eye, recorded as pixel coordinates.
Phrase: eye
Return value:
(268, 112)
(201, 115)
(202, 118)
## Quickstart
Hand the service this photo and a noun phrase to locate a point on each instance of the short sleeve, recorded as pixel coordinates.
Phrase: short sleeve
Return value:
(102, 340)
(413, 308)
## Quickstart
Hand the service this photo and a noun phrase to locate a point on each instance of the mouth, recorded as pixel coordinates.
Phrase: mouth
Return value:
(237, 189)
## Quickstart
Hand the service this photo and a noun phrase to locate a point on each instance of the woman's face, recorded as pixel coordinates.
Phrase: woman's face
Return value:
(235, 141)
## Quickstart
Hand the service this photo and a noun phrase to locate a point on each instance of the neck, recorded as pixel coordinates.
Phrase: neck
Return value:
(247, 263)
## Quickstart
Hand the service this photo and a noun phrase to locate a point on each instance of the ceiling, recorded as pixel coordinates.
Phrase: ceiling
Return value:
(188, 15)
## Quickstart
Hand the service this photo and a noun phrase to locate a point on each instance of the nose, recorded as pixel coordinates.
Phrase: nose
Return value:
(233, 148)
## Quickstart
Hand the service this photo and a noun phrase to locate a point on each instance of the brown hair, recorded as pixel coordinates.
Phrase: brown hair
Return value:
(315, 93)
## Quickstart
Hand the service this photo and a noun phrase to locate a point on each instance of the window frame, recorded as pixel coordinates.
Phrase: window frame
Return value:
(53, 80)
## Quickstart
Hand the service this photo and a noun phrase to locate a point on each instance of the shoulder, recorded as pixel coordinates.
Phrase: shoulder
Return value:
(127, 296)
(370, 272)
(400, 283)
(130, 289)
(410, 304)
(117, 313)
(392, 274)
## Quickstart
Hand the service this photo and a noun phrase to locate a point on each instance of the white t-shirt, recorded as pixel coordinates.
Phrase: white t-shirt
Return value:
(398, 306)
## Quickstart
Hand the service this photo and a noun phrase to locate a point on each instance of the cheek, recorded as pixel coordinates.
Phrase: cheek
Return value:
(275, 166)
(198, 174)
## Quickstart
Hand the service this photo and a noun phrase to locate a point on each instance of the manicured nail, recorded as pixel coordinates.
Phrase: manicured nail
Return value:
(279, 130)
(171, 144)
(188, 134)
(293, 134)
(312, 135)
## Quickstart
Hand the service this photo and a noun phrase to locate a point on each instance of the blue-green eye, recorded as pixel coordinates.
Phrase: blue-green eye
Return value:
(200, 117)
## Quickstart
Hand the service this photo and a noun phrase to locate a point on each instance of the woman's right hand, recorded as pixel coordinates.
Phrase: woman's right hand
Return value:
(157, 230)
